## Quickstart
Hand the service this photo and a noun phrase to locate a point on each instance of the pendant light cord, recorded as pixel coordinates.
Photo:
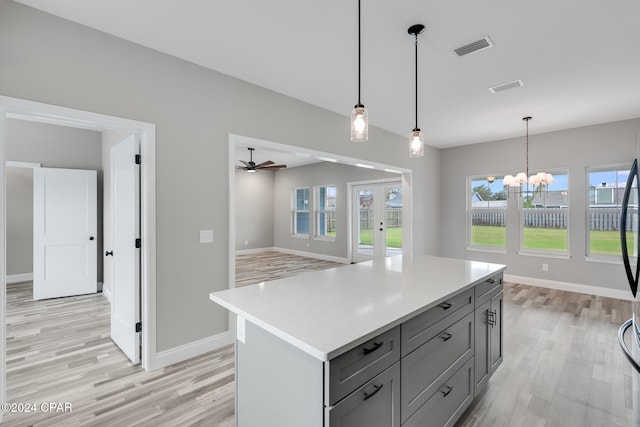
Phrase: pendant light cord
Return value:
(526, 119)
(416, 80)
(359, 103)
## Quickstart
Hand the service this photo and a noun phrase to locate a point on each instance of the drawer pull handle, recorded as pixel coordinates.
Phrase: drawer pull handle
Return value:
(446, 393)
(376, 345)
(491, 318)
(376, 388)
(446, 336)
(445, 305)
(492, 281)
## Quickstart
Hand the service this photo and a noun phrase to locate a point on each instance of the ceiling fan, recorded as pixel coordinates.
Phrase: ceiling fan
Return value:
(250, 166)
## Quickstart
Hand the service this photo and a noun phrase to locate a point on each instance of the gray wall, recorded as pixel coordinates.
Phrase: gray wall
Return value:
(51, 60)
(309, 176)
(19, 198)
(53, 147)
(254, 209)
(572, 149)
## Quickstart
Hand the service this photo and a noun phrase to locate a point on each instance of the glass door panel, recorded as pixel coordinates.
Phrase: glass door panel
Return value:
(377, 221)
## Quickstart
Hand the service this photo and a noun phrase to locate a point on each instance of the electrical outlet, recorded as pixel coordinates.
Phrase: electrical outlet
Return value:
(545, 267)
(308, 244)
(246, 243)
(206, 236)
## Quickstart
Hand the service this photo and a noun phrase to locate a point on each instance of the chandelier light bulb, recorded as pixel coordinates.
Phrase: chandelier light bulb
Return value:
(416, 143)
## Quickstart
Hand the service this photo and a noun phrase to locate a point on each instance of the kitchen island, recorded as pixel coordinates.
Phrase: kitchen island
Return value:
(398, 341)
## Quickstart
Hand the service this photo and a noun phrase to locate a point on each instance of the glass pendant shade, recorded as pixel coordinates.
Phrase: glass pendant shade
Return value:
(416, 143)
(359, 124)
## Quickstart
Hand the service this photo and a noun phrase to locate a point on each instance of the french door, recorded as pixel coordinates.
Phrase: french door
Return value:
(376, 220)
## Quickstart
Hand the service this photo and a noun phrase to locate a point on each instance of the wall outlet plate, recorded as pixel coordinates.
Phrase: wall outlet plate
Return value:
(206, 236)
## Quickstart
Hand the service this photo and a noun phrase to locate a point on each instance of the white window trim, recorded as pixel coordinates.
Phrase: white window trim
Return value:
(295, 211)
(548, 253)
(316, 210)
(483, 248)
(590, 257)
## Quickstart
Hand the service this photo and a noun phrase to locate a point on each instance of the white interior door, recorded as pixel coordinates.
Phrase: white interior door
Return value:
(64, 232)
(125, 264)
(376, 220)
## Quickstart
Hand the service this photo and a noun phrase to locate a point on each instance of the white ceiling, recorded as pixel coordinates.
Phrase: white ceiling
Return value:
(578, 59)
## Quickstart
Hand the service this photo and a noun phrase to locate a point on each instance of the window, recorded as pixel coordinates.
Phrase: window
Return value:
(300, 212)
(605, 187)
(325, 206)
(487, 207)
(544, 215)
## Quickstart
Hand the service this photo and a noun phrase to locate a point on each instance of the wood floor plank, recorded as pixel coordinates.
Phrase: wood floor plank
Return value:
(562, 365)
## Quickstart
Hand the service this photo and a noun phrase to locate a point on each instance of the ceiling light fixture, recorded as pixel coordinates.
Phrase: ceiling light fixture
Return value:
(416, 139)
(515, 182)
(359, 115)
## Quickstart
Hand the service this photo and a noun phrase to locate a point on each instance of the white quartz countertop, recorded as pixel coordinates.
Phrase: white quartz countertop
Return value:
(325, 313)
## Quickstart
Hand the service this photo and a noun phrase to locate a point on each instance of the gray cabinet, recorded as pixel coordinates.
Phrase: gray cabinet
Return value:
(488, 331)
(423, 371)
(375, 404)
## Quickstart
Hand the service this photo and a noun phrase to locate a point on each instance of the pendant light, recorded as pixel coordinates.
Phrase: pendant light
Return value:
(515, 182)
(359, 115)
(416, 139)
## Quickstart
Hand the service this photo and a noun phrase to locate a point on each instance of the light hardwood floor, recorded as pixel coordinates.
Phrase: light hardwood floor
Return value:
(271, 265)
(562, 367)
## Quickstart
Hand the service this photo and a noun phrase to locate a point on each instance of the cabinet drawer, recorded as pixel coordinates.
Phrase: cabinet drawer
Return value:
(450, 400)
(486, 289)
(375, 404)
(424, 369)
(420, 329)
(355, 367)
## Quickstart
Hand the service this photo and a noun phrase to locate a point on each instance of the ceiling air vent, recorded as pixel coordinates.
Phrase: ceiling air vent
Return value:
(506, 86)
(473, 47)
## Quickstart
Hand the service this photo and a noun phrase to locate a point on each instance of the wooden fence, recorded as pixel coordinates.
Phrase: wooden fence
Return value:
(606, 219)
(393, 218)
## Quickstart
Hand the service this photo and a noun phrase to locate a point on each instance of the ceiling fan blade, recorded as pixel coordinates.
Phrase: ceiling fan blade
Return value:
(244, 163)
(267, 163)
(274, 167)
(241, 168)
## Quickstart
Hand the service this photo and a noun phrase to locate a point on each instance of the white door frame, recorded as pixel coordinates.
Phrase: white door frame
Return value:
(407, 212)
(52, 114)
(245, 141)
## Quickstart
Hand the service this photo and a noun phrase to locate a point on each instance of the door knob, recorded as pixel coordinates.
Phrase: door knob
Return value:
(91, 238)
(108, 253)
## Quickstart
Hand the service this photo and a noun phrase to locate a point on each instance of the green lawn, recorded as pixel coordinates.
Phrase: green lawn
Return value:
(394, 237)
(602, 242)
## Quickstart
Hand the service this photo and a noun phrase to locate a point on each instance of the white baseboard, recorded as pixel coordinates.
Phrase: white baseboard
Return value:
(107, 293)
(254, 251)
(313, 255)
(193, 349)
(17, 278)
(571, 287)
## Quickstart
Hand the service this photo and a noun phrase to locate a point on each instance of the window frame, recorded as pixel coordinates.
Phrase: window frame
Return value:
(295, 211)
(469, 217)
(317, 205)
(546, 253)
(597, 257)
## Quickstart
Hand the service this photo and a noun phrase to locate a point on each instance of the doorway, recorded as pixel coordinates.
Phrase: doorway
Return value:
(32, 111)
(376, 220)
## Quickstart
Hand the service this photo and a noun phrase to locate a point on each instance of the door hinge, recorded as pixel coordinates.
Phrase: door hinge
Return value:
(138, 243)
(139, 327)
(137, 159)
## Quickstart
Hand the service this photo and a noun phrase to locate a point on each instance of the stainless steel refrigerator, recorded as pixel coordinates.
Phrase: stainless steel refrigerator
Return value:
(629, 333)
